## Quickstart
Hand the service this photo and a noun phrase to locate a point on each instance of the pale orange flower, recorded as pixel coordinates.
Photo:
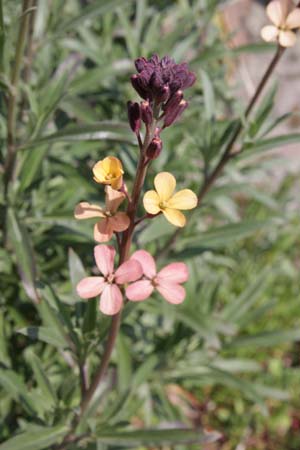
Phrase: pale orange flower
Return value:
(286, 19)
(110, 221)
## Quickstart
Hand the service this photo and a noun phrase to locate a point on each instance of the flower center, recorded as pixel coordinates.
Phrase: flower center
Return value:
(110, 176)
(162, 204)
(110, 278)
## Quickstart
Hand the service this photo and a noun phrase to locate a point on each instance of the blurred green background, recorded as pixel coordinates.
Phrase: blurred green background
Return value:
(228, 358)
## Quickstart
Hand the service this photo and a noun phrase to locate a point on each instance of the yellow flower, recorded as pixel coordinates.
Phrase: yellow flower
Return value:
(285, 18)
(164, 200)
(109, 171)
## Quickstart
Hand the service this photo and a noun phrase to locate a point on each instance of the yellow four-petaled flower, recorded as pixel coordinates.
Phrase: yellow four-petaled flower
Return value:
(164, 200)
(109, 171)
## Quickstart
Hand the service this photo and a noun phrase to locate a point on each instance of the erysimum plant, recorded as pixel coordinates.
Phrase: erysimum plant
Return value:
(125, 273)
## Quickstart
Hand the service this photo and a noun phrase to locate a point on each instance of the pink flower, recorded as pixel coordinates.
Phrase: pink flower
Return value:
(167, 281)
(111, 298)
(110, 221)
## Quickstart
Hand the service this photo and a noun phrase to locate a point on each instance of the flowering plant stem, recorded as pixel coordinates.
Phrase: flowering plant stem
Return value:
(228, 153)
(125, 244)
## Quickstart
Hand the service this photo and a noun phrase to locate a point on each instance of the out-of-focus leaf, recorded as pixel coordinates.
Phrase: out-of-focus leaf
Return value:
(42, 380)
(155, 436)
(12, 383)
(158, 227)
(110, 131)
(97, 8)
(124, 363)
(44, 334)
(270, 144)
(220, 237)
(267, 339)
(208, 93)
(21, 243)
(37, 439)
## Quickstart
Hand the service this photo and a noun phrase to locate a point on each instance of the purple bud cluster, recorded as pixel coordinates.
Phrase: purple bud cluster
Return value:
(160, 83)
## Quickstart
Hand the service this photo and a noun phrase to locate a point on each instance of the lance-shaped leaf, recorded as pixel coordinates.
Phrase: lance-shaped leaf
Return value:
(36, 439)
(21, 243)
(156, 436)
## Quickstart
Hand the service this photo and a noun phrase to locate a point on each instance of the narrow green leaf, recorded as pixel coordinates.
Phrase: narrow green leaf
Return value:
(44, 334)
(42, 380)
(38, 439)
(208, 93)
(13, 384)
(270, 144)
(266, 339)
(97, 8)
(154, 436)
(22, 247)
(124, 363)
(109, 131)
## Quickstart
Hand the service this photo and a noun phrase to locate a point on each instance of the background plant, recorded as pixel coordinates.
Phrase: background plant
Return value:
(69, 112)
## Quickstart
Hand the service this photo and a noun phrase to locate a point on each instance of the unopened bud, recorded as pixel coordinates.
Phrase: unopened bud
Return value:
(146, 113)
(137, 83)
(163, 94)
(174, 113)
(134, 116)
(154, 148)
(174, 101)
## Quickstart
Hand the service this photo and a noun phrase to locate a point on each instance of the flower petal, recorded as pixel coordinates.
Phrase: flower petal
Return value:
(165, 184)
(85, 210)
(269, 33)
(277, 11)
(117, 182)
(287, 38)
(173, 273)
(138, 291)
(151, 202)
(172, 292)
(113, 199)
(103, 231)
(130, 270)
(146, 261)
(119, 222)
(111, 300)
(104, 257)
(175, 217)
(90, 287)
(184, 199)
(293, 19)
(112, 165)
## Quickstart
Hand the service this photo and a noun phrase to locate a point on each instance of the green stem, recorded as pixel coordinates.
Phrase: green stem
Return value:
(13, 93)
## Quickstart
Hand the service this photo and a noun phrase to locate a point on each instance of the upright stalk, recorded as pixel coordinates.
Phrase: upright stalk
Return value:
(124, 255)
(210, 179)
(13, 94)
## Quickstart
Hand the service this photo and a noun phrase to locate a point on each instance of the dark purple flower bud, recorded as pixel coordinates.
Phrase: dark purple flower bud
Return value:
(174, 113)
(146, 113)
(138, 86)
(163, 94)
(134, 116)
(160, 79)
(154, 148)
(174, 101)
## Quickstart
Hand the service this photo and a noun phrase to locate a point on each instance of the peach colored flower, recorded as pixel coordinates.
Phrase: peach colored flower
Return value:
(164, 200)
(167, 281)
(110, 220)
(285, 18)
(107, 286)
(109, 171)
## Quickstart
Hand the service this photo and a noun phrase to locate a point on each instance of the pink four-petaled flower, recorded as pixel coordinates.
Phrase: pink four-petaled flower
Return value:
(107, 286)
(167, 281)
